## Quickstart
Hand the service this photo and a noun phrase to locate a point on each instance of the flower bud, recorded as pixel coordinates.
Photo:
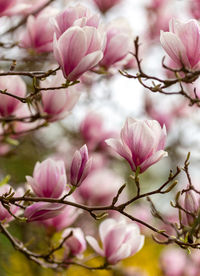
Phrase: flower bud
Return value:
(191, 204)
(75, 245)
(80, 167)
(42, 210)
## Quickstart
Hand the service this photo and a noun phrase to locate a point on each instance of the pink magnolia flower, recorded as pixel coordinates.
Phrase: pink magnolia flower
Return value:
(76, 244)
(12, 7)
(157, 4)
(99, 187)
(80, 166)
(42, 210)
(58, 103)
(4, 214)
(105, 5)
(195, 8)
(74, 16)
(65, 218)
(191, 204)
(20, 127)
(94, 132)
(78, 50)
(173, 261)
(49, 178)
(182, 42)
(119, 240)
(141, 143)
(13, 85)
(39, 32)
(118, 43)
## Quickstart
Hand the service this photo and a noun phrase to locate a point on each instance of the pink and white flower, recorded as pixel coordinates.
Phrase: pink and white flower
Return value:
(74, 16)
(182, 42)
(120, 240)
(13, 85)
(49, 178)
(141, 143)
(78, 50)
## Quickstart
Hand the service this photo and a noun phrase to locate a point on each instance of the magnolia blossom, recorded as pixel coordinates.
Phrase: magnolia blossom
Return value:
(13, 85)
(39, 32)
(4, 214)
(195, 8)
(105, 5)
(49, 178)
(118, 43)
(93, 131)
(78, 50)
(191, 204)
(173, 261)
(74, 16)
(182, 42)
(19, 127)
(75, 245)
(119, 240)
(99, 187)
(42, 210)
(57, 103)
(157, 4)
(141, 143)
(80, 167)
(12, 7)
(65, 218)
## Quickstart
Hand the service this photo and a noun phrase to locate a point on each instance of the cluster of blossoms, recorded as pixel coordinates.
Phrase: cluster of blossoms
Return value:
(61, 189)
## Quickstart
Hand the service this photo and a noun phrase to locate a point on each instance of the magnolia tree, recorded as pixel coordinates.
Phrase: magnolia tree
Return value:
(75, 193)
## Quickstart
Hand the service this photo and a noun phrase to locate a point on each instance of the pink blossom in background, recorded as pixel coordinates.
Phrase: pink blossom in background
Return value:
(105, 5)
(78, 50)
(173, 261)
(182, 42)
(80, 166)
(120, 240)
(65, 218)
(191, 204)
(158, 19)
(12, 7)
(76, 244)
(119, 43)
(49, 178)
(4, 214)
(141, 143)
(13, 85)
(195, 8)
(58, 103)
(42, 210)
(74, 16)
(165, 118)
(38, 35)
(93, 131)
(99, 187)
(157, 4)
(20, 127)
